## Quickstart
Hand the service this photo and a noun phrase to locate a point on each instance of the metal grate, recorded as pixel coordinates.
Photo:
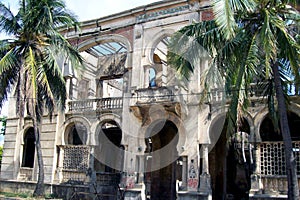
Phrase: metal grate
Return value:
(76, 158)
(272, 158)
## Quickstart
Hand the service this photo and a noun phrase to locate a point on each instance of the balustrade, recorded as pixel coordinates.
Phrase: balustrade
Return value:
(159, 94)
(276, 184)
(102, 104)
(272, 166)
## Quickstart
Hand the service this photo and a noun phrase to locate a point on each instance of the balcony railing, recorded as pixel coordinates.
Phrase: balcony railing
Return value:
(255, 91)
(272, 165)
(101, 104)
(152, 95)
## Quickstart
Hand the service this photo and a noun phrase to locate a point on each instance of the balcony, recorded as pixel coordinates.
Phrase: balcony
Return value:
(155, 95)
(255, 91)
(99, 105)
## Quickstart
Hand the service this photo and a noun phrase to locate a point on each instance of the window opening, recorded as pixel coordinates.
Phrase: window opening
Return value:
(112, 88)
(83, 88)
(152, 78)
(29, 149)
(77, 134)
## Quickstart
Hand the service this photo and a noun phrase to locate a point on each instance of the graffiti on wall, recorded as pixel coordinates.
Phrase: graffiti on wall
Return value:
(193, 176)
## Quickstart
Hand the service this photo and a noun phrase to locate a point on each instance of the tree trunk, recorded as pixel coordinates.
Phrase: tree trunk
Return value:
(291, 168)
(40, 188)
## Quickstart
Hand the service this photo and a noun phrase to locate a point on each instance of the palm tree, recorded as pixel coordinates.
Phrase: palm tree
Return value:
(28, 62)
(246, 43)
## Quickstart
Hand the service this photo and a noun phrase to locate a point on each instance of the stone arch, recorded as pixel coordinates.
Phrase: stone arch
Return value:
(156, 59)
(25, 129)
(71, 122)
(158, 118)
(267, 132)
(108, 38)
(259, 117)
(221, 116)
(150, 47)
(102, 119)
(219, 120)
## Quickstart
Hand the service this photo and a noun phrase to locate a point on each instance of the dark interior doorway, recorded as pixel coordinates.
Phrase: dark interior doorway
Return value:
(160, 178)
(109, 153)
(230, 165)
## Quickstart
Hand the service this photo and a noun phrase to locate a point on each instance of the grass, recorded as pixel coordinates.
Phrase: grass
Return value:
(24, 195)
(21, 195)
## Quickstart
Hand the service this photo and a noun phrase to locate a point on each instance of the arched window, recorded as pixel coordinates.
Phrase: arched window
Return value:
(269, 132)
(77, 134)
(28, 149)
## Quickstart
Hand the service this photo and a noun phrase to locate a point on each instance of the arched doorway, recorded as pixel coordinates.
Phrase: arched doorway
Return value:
(108, 156)
(230, 163)
(28, 149)
(160, 178)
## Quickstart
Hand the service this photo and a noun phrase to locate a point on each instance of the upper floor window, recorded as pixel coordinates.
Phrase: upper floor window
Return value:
(76, 134)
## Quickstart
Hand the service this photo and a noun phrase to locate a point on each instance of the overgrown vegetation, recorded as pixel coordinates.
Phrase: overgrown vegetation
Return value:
(21, 195)
(2, 125)
(25, 195)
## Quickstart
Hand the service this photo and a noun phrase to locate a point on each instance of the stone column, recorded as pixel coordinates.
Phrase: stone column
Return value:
(60, 163)
(69, 86)
(204, 185)
(91, 171)
(184, 172)
(204, 155)
(256, 183)
(141, 169)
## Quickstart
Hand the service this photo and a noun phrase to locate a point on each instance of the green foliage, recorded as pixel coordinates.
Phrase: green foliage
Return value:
(21, 195)
(30, 61)
(243, 43)
(257, 35)
(2, 125)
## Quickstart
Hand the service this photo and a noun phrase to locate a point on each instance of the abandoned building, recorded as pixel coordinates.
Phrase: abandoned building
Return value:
(131, 123)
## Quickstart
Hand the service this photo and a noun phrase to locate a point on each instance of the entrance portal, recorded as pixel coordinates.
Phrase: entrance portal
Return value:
(161, 163)
(230, 163)
(109, 153)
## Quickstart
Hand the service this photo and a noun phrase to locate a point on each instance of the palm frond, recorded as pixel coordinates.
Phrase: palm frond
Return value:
(268, 42)
(225, 11)
(9, 23)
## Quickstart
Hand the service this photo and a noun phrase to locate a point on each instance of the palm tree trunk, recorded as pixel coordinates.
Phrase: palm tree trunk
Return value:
(40, 187)
(291, 168)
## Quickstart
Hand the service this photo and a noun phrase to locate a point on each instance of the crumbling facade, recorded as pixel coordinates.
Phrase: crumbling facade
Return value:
(131, 122)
